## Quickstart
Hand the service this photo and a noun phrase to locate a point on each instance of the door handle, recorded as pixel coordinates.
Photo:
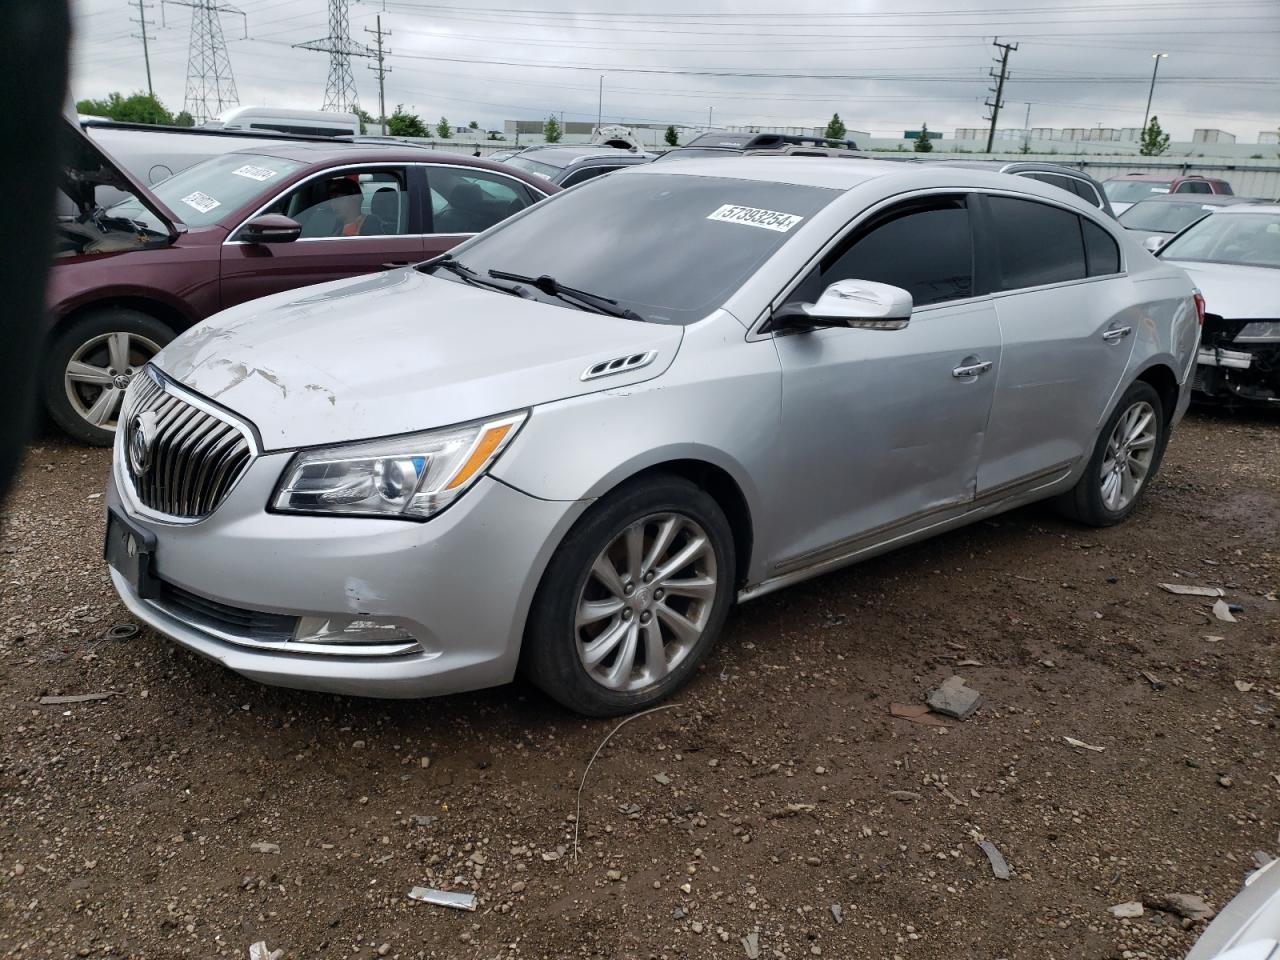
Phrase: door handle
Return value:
(1116, 334)
(972, 370)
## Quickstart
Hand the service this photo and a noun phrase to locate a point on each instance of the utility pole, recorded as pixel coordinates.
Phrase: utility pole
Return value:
(146, 54)
(710, 111)
(1026, 126)
(1157, 57)
(995, 105)
(381, 69)
(600, 105)
(340, 90)
(211, 86)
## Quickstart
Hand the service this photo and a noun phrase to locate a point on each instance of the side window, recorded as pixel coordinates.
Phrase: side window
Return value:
(1053, 179)
(1100, 250)
(924, 246)
(587, 173)
(1087, 192)
(1035, 243)
(356, 203)
(464, 200)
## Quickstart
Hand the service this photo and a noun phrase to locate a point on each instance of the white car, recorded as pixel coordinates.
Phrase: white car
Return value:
(1248, 928)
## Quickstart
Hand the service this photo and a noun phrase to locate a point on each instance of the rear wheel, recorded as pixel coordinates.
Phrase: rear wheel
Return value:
(633, 600)
(90, 365)
(1125, 460)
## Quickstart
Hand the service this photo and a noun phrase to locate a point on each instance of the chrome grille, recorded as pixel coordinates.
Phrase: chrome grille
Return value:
(193, 457)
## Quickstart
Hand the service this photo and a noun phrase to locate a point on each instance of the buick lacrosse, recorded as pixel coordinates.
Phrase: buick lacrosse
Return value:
(570, 444)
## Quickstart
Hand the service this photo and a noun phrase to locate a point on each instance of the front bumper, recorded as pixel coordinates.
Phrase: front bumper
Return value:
(460, 583)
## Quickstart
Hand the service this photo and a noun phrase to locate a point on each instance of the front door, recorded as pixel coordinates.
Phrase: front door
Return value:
(1068, 328)
(882, 430)
(353, 222)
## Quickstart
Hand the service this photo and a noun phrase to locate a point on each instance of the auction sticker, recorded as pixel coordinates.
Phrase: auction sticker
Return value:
(201, 201)
(254, 173)
(755, 217)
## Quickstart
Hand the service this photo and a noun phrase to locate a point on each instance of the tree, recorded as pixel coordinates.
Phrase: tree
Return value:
(137, 108)
(1154, 140)
(835, 128)
(672, 138)
(443, 130)
(473, 125)
(184, 119)
(923, 143)
(551, 130)
(402, 123)
(367, 120)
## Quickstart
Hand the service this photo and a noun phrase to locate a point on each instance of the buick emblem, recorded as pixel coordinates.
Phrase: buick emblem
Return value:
(141, 440)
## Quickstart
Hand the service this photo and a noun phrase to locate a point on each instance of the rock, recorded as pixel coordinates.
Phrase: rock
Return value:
(904, 796)
(1225, 782)
(518, 886)
(551, 856)
(384, 949)
(263, 846)
(751, 944)
(686, 888)
(696, 926)
(662, 778)
(1182, 904)
(837, 913)
(614, 875)
(955, 699)
(422, 820)
(1126, 911)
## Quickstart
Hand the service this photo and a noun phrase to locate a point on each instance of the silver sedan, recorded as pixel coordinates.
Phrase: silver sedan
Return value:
(570, 446)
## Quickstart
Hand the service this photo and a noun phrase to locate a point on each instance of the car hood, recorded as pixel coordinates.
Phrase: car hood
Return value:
(86, 166)
(398, 352)
(1236, 292)
(1248, 928)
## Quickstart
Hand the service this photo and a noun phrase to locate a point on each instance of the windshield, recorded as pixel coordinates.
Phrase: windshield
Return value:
(545, 170)
(1164, 217)
(1131, 191)
(1252, 239)
(207, 192)
(670, 248)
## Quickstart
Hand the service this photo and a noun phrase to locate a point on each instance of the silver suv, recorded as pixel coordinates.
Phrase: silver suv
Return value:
(572, 444)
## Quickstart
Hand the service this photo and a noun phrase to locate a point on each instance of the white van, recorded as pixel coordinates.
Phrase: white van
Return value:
(313, 123)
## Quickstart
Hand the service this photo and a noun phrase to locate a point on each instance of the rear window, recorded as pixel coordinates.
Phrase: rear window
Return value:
(545, 170)
(1131, 191)
(671, 248)
(1036, 243)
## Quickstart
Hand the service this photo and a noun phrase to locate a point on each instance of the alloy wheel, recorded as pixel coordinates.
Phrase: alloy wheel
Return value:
(100, 371)
(646, 602)
(1130, 451)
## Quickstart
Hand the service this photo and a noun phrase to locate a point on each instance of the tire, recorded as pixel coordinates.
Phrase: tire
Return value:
(86, 403)
(1093, 500)
(557, 647)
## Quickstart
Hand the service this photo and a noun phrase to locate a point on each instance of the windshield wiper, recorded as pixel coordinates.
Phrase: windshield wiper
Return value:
(579, 298)
(470, 276)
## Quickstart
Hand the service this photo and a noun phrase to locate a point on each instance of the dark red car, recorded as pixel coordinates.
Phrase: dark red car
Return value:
(129, 278)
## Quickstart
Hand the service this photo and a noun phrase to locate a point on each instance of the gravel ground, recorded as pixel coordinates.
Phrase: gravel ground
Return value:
(777, 787)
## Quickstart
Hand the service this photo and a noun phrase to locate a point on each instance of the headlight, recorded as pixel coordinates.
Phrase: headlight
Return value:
(1259, 330)
(412, 477)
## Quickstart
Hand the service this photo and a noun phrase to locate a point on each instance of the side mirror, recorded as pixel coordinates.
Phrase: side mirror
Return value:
(851, 303)
(270, 228)
(1153, 244)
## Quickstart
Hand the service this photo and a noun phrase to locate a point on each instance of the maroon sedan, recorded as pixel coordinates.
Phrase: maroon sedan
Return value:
(129, 278)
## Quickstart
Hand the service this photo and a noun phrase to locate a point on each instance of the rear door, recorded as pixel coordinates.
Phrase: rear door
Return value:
(338, 239)
(882, 429)
(1067, 331)
(460, 202)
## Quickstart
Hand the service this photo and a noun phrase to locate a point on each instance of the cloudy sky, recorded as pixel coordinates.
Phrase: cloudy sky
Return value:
(884, 65)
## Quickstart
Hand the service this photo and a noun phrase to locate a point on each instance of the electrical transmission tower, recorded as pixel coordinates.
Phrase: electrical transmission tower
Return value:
(146, 53)
(381, 69)
(211, 87)
(340, 91)
(995, 105)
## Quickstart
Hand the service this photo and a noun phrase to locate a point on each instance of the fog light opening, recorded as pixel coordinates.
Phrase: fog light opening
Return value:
(351, 630)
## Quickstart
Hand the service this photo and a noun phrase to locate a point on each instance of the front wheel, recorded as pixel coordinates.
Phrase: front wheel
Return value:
(1125, 460)
(633, 600)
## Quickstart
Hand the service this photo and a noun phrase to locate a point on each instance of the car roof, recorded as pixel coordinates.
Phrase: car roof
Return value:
(1212, 199)
(846, 173)
(1162, 177)
(321, 154)
(1244, 209)
(563, 156)
(1013, 166)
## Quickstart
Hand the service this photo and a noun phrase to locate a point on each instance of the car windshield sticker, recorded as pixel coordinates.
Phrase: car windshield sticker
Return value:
(254, 173)
(200, 201)
(755, 217)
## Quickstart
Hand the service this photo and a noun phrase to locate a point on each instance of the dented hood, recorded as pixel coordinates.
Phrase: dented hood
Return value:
(399, 352)
(1235, 291)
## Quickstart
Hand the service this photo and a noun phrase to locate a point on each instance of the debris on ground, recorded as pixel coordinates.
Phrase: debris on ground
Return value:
(1072, 741)
(791, 810)
(1244, 686)
(421, 820)
(444, 898)
(264, 846)
(1261, 858)
(1186, 905)
(662, 778)
(905, 796)
(121, 631)
(76, 698)
(1187, 590)
(1210, 638)
(916, 713)
(260, 951)
(1222, 610)
(955, 699)
(999, 866)
(1126, 911)
(751, 944)
(1156, 682)
(837, 913)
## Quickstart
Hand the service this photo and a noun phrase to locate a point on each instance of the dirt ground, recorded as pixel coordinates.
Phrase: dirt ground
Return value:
(778, 787)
